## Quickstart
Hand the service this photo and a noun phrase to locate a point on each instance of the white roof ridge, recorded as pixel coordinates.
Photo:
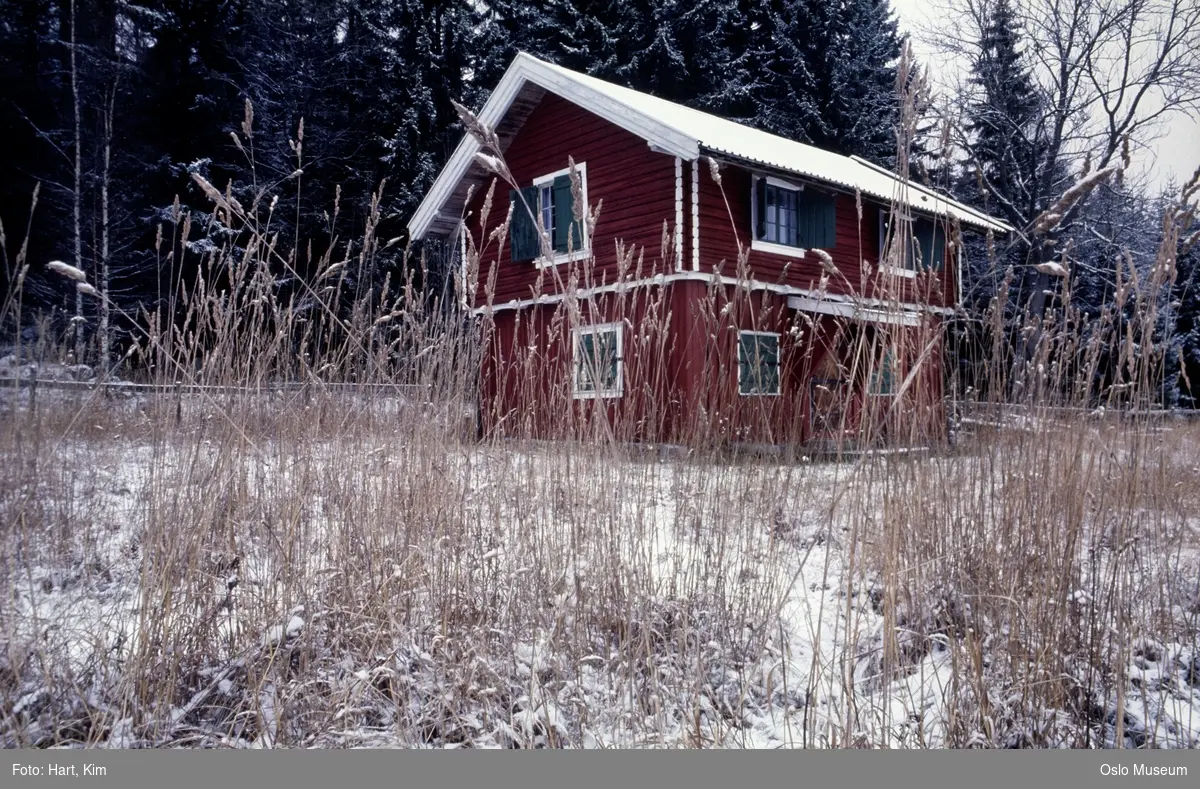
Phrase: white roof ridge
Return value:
(911, 184)
(684, 132)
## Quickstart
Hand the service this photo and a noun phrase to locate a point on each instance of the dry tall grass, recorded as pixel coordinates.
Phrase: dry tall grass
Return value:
(338, 565)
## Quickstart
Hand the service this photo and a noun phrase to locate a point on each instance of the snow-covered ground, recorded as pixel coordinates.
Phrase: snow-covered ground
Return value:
(529, 595)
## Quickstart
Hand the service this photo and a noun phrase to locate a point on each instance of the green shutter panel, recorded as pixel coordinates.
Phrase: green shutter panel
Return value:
(931, 240)
(817, 220)
(804, 234)
(810, 226)
(827, 220)
(883, 228)
(523, 233)
(608, 359)
(820, 220)
(587, 362)
(760, 198)
(745, 363)
(769, 354)
(564, 217)
(923, 235)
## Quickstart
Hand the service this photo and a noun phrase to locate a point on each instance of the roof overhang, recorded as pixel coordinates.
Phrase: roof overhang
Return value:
(528, 79)
(889, 315)
(926, 199)
(521, 87)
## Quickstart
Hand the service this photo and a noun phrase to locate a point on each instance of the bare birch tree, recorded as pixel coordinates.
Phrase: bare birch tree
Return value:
(77, 196)
(105, 274)
(1106, 70)
(1108, 73)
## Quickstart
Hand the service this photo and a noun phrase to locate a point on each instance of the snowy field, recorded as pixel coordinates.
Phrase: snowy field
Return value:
(347, 582)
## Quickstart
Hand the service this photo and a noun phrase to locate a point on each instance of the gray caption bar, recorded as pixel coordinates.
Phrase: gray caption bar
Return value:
(94, 769)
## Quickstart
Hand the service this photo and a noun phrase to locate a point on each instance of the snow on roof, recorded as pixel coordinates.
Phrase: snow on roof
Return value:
(689, 134)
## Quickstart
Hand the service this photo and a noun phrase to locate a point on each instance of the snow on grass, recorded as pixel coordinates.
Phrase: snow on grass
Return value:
(619, 603)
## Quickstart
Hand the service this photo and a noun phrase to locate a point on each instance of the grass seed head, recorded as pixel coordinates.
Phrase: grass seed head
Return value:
(66, 270)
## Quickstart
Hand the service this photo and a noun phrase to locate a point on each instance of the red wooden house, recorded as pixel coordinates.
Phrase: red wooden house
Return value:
(656, 273)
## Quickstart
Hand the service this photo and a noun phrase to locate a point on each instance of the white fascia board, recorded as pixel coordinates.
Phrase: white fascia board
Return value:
(942, 204)
(845, 309)
(872, 308)
(658, 134)
(524, 69)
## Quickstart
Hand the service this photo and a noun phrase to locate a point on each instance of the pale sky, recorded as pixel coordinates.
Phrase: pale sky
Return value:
(1176, 153)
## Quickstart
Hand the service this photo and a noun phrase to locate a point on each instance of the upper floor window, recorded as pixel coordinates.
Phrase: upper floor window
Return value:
(549, 202)
(923, 249)
(781, 218)
(789, 217)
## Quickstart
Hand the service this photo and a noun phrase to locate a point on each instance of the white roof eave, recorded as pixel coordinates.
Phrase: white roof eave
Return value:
(681, 131)
(526, 68)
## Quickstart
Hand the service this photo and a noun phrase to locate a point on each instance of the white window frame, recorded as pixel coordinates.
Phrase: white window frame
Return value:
(896, 271)
(541, 261)
(577, 335)
(779, 371)
(758, 244)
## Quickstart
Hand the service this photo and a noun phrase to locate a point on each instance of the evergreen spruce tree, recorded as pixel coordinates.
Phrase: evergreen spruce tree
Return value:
(829, 75)
(820, 72)
(693, 56)
(373, 82)
(1183, 356)
(866, 112)
(1003, 119)
(34, 105)
(602, 38)
(1002, 170)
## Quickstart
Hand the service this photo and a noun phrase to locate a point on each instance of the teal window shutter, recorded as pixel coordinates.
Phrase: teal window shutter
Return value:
(523, 233)
(564, 217)
(828, 221)
(882, 377)
(885, 218)
(760, 198)
(818, 227)
(804, 221)
(938, 258)
(931, 244)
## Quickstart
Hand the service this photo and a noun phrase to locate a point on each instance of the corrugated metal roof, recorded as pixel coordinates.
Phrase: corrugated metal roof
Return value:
(684, 132)
(723, 136)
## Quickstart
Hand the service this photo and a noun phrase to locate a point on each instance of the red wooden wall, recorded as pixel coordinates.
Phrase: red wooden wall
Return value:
(728, 205)
(634, 187)
(680, 338)
(680, 370)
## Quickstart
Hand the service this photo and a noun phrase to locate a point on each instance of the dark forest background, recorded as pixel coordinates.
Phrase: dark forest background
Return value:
(339, 111)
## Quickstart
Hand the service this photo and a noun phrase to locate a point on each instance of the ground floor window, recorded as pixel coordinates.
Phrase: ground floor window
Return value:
(599, 367)
(883, 377)
(758, 363)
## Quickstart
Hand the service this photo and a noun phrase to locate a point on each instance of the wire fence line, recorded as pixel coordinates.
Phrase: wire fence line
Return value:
(132, 387)
(962, 410)
(1001, 413)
